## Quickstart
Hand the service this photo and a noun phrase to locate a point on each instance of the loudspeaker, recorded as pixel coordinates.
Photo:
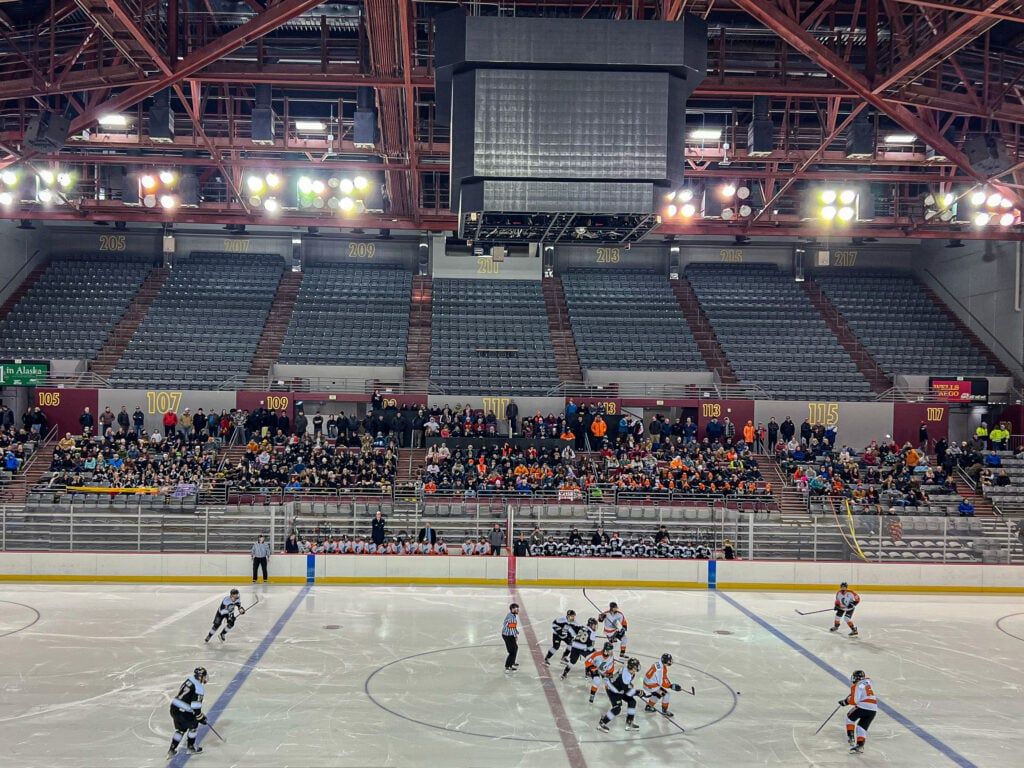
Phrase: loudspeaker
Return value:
(161, 118)
(364, 128)
(263, 123)
(986, 153)
(130, 189)
(860, 141)
(47, 132)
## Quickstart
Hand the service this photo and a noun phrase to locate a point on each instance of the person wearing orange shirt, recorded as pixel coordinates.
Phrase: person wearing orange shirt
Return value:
(748, 433)
(865, 706)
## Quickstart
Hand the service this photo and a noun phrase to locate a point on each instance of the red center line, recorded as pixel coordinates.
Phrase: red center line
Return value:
(565, 731)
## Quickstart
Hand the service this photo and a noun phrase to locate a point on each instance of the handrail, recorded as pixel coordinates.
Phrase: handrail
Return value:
(14, 277)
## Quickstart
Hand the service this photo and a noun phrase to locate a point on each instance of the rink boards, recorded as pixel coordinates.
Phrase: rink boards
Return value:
(214, 568)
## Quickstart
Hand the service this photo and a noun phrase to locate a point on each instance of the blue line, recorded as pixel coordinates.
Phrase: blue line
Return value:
(241, 676)
(903, 720)
(310, 568)
(712, 574)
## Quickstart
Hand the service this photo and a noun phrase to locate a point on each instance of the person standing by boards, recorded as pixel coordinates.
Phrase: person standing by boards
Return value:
(260, 554)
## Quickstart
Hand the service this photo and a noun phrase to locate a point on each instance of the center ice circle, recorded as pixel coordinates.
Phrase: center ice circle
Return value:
(463, 690)
(17, 618)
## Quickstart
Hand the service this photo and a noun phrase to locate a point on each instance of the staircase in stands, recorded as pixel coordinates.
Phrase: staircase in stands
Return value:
(966, 330)
(567, 359)
(119, 338)
(21, 290)
(982, 506)
(417, 351)
(410, 460)
(791, 500)
(269, 347)
(16, 492)
(866, 364)
(703, 332)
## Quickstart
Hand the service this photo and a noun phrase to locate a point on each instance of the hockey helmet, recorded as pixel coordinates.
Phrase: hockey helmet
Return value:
(200, 674)
(570, 614)
(612, 606)
(234, 592)
(591, 622)
(844, 585)
(666, 658)
(608, 648)
(857, 676)
(633, 665)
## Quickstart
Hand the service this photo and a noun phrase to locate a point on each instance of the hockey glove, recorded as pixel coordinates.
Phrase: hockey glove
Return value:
(676, 687)
(842, 702)
(201, 719)
(241, 610)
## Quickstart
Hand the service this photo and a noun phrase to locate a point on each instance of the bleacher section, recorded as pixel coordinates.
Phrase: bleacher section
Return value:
(349, 315)
(203, 328)
(772, 335)
(71, 309)
(900, 325)
(491, 335)
(628, 320)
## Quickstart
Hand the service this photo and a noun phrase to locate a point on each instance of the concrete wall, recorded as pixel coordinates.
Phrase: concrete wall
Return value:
(979, 282)
(602, 377)
(568, 572)
(22, 250)
(338, 373)
(154, 403)
(654, 257)
(468, 266)
(857, 423)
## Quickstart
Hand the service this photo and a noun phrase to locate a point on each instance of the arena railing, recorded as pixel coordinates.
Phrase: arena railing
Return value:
(883, 538)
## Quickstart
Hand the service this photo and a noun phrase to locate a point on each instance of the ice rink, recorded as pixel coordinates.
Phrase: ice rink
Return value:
(410, 676)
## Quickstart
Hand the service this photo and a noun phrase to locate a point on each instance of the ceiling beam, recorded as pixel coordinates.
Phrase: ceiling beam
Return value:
(953, 8)
(806, 44)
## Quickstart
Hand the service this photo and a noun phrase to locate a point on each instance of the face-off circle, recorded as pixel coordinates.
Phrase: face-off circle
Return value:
(458, 679)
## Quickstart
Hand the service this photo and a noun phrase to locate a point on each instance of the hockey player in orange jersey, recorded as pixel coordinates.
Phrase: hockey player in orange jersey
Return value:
(658, 686)
(865, 706)
(600, 667)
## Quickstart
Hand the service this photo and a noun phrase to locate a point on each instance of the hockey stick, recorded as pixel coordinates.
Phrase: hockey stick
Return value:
(210, 726)
(811, 613)
(587, 598)
(257, 601)
(677, 725)
(827, 719)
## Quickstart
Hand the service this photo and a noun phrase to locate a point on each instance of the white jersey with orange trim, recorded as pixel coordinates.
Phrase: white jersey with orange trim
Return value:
(657, 677)
(613, 622)
(847, 600)
(863, 695)
(604, 665)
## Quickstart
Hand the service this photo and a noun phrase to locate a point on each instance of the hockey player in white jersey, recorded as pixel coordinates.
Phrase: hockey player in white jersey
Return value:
(563, 629)
(226, 615)
(187, 712)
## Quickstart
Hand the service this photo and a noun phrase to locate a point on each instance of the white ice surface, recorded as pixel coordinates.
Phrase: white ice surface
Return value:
(413, 677)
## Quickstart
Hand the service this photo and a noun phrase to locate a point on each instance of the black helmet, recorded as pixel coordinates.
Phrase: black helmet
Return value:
(844, 585)
(857, 676)
(570, 613)
(591, 622)
(234, 592)
(608, 648)
(666, 658)
(612, 606)
(200, 674)
(633, 665)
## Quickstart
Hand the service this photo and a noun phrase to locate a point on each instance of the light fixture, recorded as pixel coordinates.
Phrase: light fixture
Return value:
(148, 181)
(346, 204)
(45, 196)
(305, 185)
(310, 126)
(360, 183)
(706, 134)
(828, 212)
(64, 180)
(318, 187)
(1006, 220)
(981, 218)
(728, 189)
(46, 176)
(346, 186)
(833, 204)
(167, 177)
(273, 180)
(254, 184)
(9, 177)
(829, 196)
(994, 199)
(270, 205)
(113, 121)
(688, 210)
(978, 197)
(672, 210)
(845, 213)
(900, 138)
(847, 196)
(6, 199)
(686, 195)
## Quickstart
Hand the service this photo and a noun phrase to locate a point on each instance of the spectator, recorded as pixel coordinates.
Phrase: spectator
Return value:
(260, 554)
(713, 431)
(689, 431)
(575, 537)
(170, 423)
(378, 525)
(427, 534)
(107, 419)
(598, 429)
(200, 423)
(139, 421)
(512, 416)
(661, 535)
(729, 550)
(124, 421)
(922, 436)
(599, 537)
(87, 421)
(301, 423)
(895, 529)
(787, 429)
(187, 423)
(749, 433)
(993, 459)
(536, 537)
(291, 544)
(521, 547)
(965, 508)
(318, 424)
(806, 432)
(981, 435)
(773, 433)
(729, 430)
(496, 538)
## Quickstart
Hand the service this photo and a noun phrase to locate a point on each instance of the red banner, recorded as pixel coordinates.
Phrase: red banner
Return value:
(63, 407)
(737, 411)
(907, 419)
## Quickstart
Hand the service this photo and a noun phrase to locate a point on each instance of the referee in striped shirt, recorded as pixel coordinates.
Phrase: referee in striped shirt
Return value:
(510, 633)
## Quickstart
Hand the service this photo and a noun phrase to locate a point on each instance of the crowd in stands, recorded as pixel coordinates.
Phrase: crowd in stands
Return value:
(601, 544)
(690, 468)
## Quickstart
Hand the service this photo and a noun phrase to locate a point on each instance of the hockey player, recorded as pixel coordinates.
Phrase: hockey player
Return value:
(582, 645)
(846, 602)
(865, 707)
(622, 688)
(226, 612)
(563, 629)
(187, 712)
(658, 686)
(600, 667)
(615, 627)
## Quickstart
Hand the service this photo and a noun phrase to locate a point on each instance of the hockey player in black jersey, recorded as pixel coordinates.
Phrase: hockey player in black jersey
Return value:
(187, 712)
(226, 613)
(582, 645)
(623, 688)
(563, 629)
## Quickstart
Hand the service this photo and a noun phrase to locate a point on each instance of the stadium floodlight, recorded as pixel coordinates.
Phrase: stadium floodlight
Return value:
(346, 205)
(45, 196)
(828, 196)
(318, 187)
(1007, 219)
(167, 201)
(64, 180)
(9, 177)
(310, 126)
(671, 210)
(270, 205)
(828, 212)
(847, 197)
(1006, 203)
(168, 177)
(255, 184)
(113, 121)
(273, 180)
(361, 183)
(46, 176)
(148, 181)
(981, 218)
(978, 197)
(706, 134)
(6, 199)
(686, 195)
(900, 138)
(994, 199)
(845, 213)
(727, 190)
(689, 210)
(346, 186)
(305, 185)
